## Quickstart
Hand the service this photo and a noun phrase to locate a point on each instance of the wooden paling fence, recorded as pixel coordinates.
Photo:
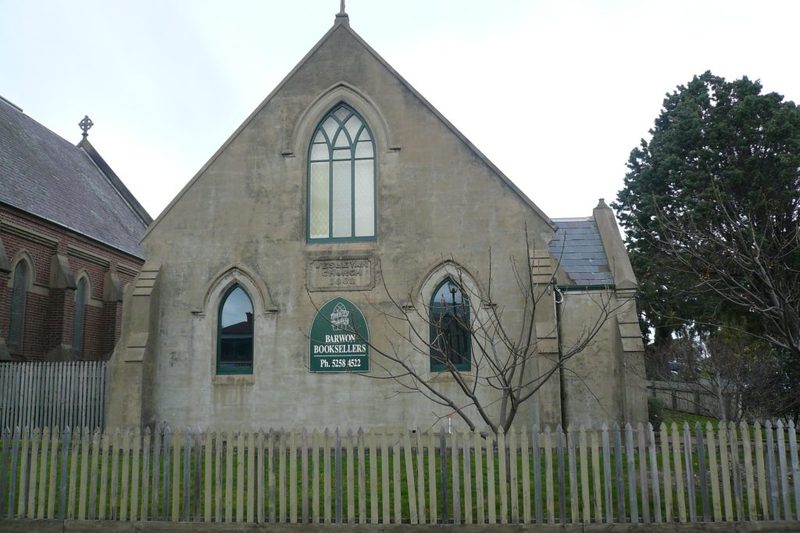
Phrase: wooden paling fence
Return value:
(41, 394)
(677, 474)
(691, 397)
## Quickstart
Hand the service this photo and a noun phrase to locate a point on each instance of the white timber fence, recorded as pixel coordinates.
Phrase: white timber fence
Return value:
(45, 394)
(724, 473)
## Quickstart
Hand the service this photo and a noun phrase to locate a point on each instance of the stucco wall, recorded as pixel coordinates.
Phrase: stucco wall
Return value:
(243, 219)
(604, 382)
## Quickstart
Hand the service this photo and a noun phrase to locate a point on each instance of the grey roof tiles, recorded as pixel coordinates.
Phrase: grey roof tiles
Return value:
(578, 247)
(49, 177)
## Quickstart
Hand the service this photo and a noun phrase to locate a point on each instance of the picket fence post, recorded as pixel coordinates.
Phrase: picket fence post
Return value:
(735, 471)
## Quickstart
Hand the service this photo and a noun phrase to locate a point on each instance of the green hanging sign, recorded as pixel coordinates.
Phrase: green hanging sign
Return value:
(339, 340)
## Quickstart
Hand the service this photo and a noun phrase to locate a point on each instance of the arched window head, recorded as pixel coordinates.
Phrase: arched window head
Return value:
(341, 178)
(235, 333)
(450, 331)
(19, 296)
(79, 318)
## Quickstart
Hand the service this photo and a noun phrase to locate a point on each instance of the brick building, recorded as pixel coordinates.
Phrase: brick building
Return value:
(69, 243)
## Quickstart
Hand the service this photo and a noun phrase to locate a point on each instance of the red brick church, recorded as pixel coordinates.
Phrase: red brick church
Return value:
(69, 243)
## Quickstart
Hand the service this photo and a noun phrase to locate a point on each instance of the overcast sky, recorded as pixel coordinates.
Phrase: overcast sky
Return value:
(555, 93)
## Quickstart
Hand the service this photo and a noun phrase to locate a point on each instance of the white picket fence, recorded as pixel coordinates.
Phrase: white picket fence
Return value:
(725, 473)
(50, 394)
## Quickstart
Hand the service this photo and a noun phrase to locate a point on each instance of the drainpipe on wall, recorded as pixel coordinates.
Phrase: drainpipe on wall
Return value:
(558, 300)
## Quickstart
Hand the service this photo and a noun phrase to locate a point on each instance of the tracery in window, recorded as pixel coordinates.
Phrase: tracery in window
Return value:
(341, 178)
(19, 294)
(450, 332)
(235, 333)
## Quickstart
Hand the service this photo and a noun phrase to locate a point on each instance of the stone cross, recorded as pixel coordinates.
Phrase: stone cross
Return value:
(86, 124)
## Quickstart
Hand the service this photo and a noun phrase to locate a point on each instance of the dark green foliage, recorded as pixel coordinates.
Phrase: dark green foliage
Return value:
(655, 411)
(711, 209)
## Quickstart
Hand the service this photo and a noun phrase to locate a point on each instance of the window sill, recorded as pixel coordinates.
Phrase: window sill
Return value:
(444, 376)
(338, 247)
(233, 379)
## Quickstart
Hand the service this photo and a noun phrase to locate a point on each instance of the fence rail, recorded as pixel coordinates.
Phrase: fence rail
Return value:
(41, 394)
(677, 474)
(692, 398)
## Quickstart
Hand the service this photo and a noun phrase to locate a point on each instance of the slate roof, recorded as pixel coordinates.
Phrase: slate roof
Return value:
(72, 186)
(578, 245)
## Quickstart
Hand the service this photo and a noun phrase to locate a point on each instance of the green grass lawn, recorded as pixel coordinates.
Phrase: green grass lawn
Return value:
(194, 493)
(680, 417)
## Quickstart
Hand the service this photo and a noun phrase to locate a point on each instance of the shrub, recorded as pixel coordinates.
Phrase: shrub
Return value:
(655, 411)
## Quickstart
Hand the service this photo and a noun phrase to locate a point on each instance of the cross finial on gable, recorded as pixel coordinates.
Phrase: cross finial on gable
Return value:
(86, 124)
(341, 16)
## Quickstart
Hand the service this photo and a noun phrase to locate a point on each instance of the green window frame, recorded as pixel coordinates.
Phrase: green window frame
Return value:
(19, 297)
(235, 339)
(341, 200)
(450, 328)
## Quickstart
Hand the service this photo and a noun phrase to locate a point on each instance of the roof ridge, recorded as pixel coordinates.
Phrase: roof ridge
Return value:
(9, 102)
(47, 176)
(572, 219)
(119, 186)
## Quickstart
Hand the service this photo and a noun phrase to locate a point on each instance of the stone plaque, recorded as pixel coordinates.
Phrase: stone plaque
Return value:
(353, 274)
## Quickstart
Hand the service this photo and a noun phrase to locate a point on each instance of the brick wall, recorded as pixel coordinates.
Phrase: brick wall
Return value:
(50, 306)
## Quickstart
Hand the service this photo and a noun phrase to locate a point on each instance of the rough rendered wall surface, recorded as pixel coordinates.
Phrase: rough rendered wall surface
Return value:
(243, 219)
(602, 383)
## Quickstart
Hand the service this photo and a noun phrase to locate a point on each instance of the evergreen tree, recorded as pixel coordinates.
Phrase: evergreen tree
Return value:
(711, 211)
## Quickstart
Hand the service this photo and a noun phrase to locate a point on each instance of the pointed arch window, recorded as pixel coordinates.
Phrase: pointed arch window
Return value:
(341, 178)
(451, 340)
(235, 333)
(79, 318)
(19, 296)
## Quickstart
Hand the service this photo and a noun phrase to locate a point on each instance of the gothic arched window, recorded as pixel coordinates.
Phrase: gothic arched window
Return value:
(79, 318)
(341, 178)
(235, 333)
(450, 332)
(19, 294)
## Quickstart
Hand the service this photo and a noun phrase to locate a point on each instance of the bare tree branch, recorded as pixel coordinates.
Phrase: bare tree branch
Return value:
(507, 366)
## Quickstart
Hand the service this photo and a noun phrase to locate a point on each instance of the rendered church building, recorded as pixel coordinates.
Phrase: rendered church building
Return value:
(347, 232)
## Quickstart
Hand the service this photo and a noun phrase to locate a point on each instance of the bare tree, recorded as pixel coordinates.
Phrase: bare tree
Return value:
(507, 365)
(750, 378)
(702, 376)
(733, 375)
(749, 263)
